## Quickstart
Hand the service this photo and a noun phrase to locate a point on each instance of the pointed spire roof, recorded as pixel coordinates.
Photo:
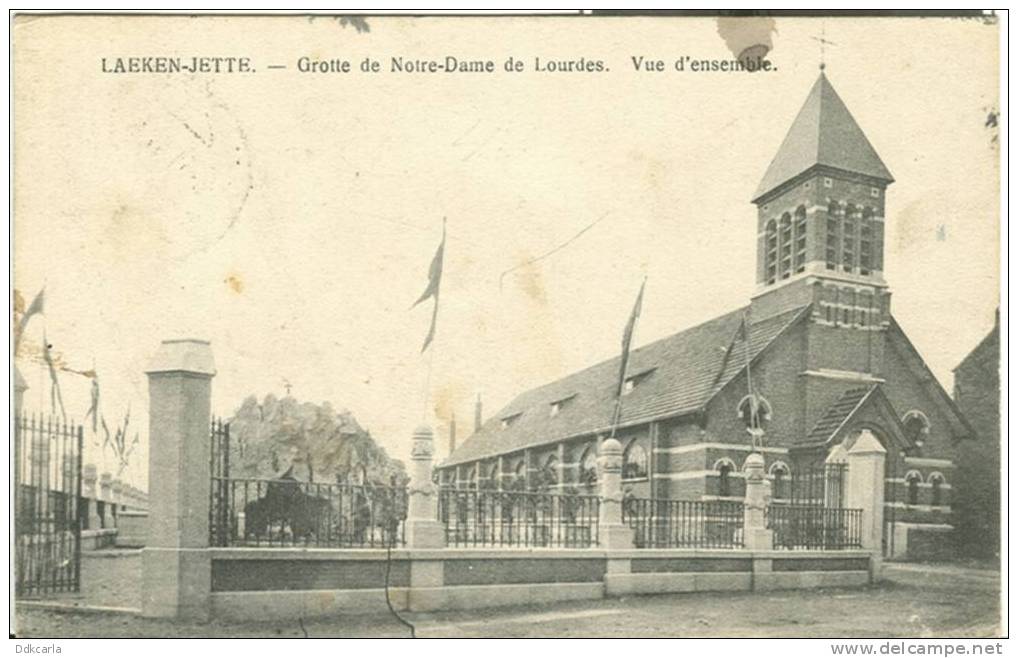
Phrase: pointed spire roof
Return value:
(823, 133)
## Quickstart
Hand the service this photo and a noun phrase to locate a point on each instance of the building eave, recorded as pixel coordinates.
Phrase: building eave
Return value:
(587, 434)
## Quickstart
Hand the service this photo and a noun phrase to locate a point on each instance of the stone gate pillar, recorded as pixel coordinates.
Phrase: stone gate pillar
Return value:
(756, 535)
(176, 568)
(612, 533)
(424, 530)
(118, 495)
(90, 492)
(865, 491)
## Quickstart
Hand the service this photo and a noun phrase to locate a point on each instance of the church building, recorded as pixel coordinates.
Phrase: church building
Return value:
(817, 345)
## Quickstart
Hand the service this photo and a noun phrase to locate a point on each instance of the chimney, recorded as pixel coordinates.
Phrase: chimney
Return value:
(452, 433)
(477, 414)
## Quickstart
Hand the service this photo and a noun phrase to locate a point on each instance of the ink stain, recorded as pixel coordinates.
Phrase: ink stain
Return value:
(234, 282)
(358, 23)
(747, 37)
(992, 124)
(446, 399)
(529, 277)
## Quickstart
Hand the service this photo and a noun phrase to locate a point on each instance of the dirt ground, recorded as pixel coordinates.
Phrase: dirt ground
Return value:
(915, 600)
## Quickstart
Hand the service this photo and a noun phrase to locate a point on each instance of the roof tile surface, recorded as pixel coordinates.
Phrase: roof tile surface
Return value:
(688, 368)
(823, 133)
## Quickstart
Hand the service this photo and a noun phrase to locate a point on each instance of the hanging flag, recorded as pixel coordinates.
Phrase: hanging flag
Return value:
(54, 389)
(627, 339)
(122, 434)
(434, 282)
(131, 448)
(106, 432)
(93, 408)
(35, 307)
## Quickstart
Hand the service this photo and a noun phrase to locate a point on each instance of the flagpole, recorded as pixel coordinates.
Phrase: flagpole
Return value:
(755, 431)
(427, 382)
(745, 338)
(617, 416)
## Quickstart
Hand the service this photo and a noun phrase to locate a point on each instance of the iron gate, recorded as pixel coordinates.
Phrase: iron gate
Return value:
(47, 513)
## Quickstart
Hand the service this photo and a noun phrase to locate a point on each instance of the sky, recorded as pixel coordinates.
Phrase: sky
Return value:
(291, 218)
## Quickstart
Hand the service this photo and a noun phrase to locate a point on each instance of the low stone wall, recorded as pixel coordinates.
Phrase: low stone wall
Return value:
(922, 542)
(133, 528)
(291, 583)
(93, 540)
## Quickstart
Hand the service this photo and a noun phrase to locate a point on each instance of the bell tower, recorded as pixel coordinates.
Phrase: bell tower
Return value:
(820, 220)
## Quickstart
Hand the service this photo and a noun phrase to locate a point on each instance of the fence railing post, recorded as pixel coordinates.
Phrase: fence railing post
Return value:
(834, 476)
(424, 530)
(176, 564)
(117, 494)
(865, 491)
(106, 495)
(756, 535)
(612, 533)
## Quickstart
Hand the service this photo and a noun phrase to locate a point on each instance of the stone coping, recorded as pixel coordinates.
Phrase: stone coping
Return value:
(98, 532)
(296, 553)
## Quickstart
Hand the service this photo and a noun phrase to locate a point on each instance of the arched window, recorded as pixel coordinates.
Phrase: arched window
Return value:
(913, 479)
(866, 242)
(917, 427)
(771, 252)
(785, 246)
(799, 261)
(549, 474)
(588, 466)
(724, 479)
(866, 302)
(780, 480)
(833, 235)
(936, 481)
(745, 410)
(490, 481)
(878, 244)
(848, 239)
(724, 467)
(634, 461)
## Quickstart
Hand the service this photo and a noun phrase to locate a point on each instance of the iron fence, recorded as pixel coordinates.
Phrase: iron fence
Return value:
(518, 518)
(660, 523)
(221, 513)
(287, 512)
(820, 485)
(47, 505)
(806, 527)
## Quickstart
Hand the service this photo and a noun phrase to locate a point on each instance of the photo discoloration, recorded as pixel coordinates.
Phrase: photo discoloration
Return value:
(747, 37)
